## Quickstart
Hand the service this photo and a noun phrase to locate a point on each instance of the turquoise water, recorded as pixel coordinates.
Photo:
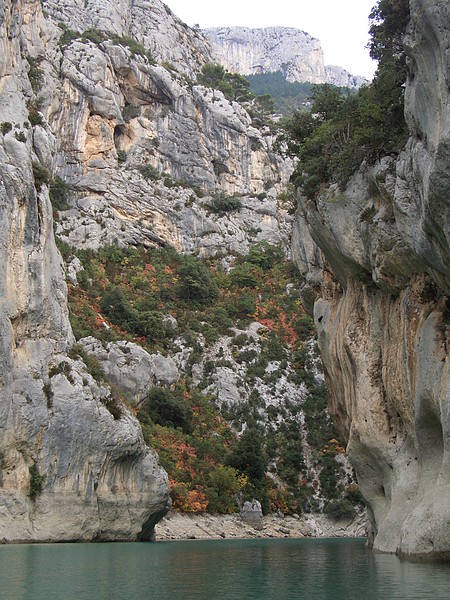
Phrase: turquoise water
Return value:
(209, 570)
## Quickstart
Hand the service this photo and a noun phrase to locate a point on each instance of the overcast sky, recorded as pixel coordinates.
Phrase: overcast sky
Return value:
(341, 25)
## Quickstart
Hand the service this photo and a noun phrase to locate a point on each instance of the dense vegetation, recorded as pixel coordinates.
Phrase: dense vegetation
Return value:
(232, 85)
(287, 453)
(134, 290)
(339, 133)
(287, 96)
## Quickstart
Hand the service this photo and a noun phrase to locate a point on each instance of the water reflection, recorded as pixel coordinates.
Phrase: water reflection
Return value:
(226, 569)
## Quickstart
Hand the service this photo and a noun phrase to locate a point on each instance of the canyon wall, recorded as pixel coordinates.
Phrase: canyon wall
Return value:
(143, 150)
(116, 118)
(381, 283)
(292, 51)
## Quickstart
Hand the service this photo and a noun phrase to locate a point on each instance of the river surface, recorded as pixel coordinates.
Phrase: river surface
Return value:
(313, 569)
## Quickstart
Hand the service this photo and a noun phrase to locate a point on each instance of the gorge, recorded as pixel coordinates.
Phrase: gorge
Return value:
(99, 100)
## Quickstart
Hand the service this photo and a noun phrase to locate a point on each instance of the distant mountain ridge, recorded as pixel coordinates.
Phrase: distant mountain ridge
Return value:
(292, 51)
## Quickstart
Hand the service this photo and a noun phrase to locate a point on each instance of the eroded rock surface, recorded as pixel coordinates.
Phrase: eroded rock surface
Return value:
(74, 465)
(382, 309)
(140, 152)
(151, 23)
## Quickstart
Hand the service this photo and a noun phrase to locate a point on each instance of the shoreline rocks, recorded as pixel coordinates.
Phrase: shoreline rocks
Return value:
(184, 526)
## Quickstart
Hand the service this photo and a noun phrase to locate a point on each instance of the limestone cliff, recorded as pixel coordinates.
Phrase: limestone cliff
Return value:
(140, 150)
(382, 308)
(292, 51)
(151, 23)
(73, 462)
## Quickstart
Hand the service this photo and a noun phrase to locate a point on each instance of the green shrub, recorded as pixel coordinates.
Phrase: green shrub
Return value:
(35, 73)
(246, 356)
(5, 127)
(320, 427)
(121, 156)
(35, 117)
(232, 85)
(166, 408)
(59, 193)
(223, 485)
(211, 334)
(20, 136)
(92, 363)
(221, 203)
(41, 175)
(36, 482)
(96, 36)
(67, 36)
(248, 456)
(246, 275)
(130, 111)
(133, 45)
(340, 509)
(196, 281)
(116, 306)
(114, 404)
(265, 255)
(148, 172)
(274, 348)
(219, 316)
(241, 340)
(149, 323)
(353, 495)
(80, 326)
(291, 461)
(245, 305)
(63, 368)
(329, 478)
(48, 392)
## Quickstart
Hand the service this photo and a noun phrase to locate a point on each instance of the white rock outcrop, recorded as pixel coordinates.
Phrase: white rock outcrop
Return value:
(292, 51)
(133, 141)
(250, 51)
(151, 23)
(133, 370)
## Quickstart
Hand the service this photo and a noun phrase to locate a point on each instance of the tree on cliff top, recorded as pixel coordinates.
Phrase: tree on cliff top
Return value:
(341, 132)
(232, 85)
(388, 21)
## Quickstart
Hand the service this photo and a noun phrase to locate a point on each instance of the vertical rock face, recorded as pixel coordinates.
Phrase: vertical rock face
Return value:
(70, 470)
(133, 138)
(292, 51)
(251, 51)
(382, 308)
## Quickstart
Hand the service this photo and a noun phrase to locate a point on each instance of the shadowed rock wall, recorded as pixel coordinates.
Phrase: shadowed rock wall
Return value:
(381, 284)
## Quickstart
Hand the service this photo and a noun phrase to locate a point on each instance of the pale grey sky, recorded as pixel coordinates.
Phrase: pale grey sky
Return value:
(342, 26)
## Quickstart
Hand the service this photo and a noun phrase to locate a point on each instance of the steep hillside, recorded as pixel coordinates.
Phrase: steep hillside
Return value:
(108, 141)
